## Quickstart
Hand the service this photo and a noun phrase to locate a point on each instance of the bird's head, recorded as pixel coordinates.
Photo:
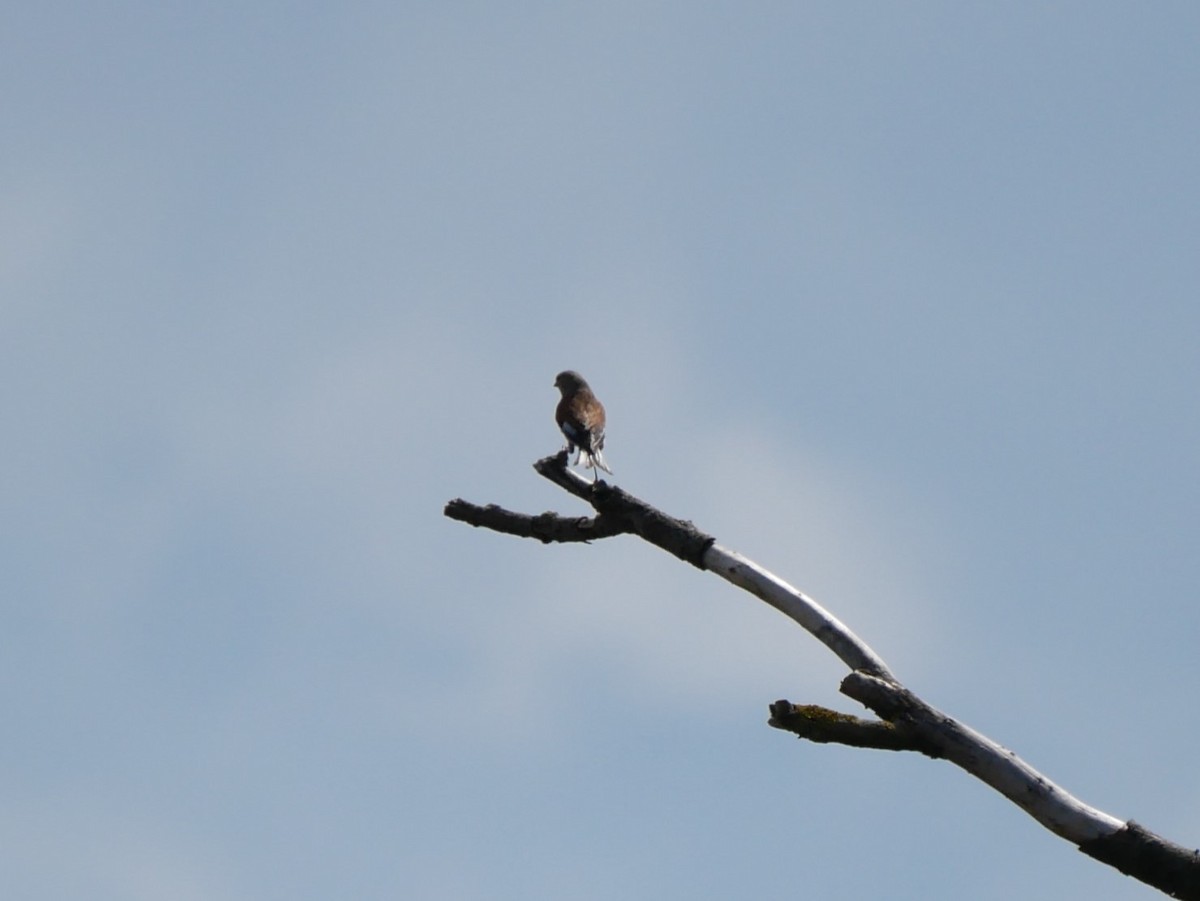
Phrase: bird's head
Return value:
(569, 380)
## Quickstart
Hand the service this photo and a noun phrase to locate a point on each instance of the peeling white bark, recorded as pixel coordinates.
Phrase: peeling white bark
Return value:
(824, 626)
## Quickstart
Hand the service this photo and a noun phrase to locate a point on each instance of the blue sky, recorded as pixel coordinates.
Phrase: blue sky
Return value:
(899, 301)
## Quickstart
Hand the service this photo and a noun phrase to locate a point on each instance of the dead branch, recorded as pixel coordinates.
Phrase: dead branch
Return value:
(906, 722)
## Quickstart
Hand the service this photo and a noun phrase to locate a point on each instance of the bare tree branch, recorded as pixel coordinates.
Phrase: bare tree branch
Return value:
(1050, 805)
(906, 722)
(823, 625)
(821, 724)
(546, 527)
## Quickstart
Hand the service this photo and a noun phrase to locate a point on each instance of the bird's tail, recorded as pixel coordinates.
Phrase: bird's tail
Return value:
(593, 459)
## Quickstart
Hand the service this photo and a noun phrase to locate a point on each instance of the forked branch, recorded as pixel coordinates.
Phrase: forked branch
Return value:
(906, 723)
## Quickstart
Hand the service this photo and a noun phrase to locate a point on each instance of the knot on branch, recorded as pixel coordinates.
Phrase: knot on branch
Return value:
(677, 536)
(620, 512)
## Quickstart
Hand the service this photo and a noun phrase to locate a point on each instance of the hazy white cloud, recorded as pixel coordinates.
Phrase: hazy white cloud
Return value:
(82, 846)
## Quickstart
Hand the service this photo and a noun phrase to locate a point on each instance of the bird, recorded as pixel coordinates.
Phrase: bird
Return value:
(580, 415)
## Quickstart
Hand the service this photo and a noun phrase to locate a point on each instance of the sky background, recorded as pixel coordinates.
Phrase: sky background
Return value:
(898, 300)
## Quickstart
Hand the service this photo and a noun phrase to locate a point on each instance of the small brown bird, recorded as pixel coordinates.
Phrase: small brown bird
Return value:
(581, 417)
